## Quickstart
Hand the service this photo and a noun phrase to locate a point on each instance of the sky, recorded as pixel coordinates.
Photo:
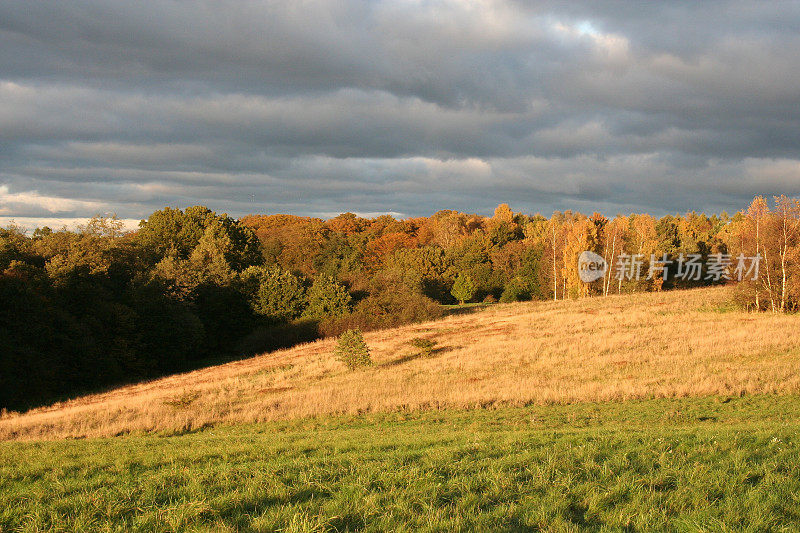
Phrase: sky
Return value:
(406, 107)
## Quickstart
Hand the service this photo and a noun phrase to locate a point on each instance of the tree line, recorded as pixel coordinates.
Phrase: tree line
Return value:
(99, 306)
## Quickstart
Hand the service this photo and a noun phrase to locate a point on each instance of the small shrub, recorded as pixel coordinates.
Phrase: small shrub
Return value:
(725, 307)
(352, 350)
(425, 346)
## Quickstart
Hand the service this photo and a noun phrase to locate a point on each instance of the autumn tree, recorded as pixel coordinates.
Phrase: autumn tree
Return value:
(614, 238)
(643, 242)
(787, 222)
(103, 226)
(448, 227)
(553, 246)
(379, 250)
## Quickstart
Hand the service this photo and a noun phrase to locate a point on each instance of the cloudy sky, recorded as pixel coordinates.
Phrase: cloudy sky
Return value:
(407, 107)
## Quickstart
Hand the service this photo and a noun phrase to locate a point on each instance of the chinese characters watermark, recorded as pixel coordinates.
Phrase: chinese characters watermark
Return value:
(629, 267)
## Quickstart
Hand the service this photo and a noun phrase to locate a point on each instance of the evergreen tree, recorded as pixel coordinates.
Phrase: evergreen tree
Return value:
(327, 298)
(463, 288)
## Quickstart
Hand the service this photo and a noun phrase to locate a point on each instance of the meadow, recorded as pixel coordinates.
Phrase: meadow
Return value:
(646, 345)
(659, 411)
(703, 464)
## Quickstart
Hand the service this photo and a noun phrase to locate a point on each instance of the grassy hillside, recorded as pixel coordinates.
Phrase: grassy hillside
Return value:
(642, 412)
(701, 464)
(672, 344)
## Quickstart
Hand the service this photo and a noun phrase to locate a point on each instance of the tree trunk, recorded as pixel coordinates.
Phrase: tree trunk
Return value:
(555, 271)
(758, 242)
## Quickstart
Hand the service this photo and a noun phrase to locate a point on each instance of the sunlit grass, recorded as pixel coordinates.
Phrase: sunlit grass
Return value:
(650, 345)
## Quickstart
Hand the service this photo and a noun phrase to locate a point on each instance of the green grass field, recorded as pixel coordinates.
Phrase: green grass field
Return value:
(703, 464)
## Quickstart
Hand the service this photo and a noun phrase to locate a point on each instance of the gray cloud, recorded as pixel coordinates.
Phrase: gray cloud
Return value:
(321, 107)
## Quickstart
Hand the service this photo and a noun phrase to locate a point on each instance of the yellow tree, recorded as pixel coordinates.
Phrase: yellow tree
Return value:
(580, 235)
(752, 245)
(503, 213)
(773, 235)
(645, 239)
(613, 242)
(553, 248)
(448, 228)
(787, 213)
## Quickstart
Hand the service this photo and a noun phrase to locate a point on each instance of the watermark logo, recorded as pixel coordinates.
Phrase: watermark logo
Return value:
(591, 267)
(716, 267)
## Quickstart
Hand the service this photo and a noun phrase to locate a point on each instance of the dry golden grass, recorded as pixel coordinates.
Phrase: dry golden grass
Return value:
(619, 347)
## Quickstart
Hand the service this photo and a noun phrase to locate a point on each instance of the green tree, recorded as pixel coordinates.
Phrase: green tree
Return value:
(172, 231)
(275, 293)
(69, 254)
(206, 265)
(463, 288)
(516, 290)
(209, 259)
(327, 298)
(393, 301)
(13, 246)
(426, 266)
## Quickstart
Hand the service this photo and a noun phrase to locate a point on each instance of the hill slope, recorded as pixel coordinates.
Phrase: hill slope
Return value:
(631, 346)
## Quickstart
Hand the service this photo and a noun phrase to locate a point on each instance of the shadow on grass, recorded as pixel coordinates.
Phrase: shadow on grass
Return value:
(262, 339)
(464, 309)
(416, 355)
(268, 338)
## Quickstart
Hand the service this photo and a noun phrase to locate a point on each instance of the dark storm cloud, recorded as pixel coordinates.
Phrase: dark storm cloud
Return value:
(409, 107)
